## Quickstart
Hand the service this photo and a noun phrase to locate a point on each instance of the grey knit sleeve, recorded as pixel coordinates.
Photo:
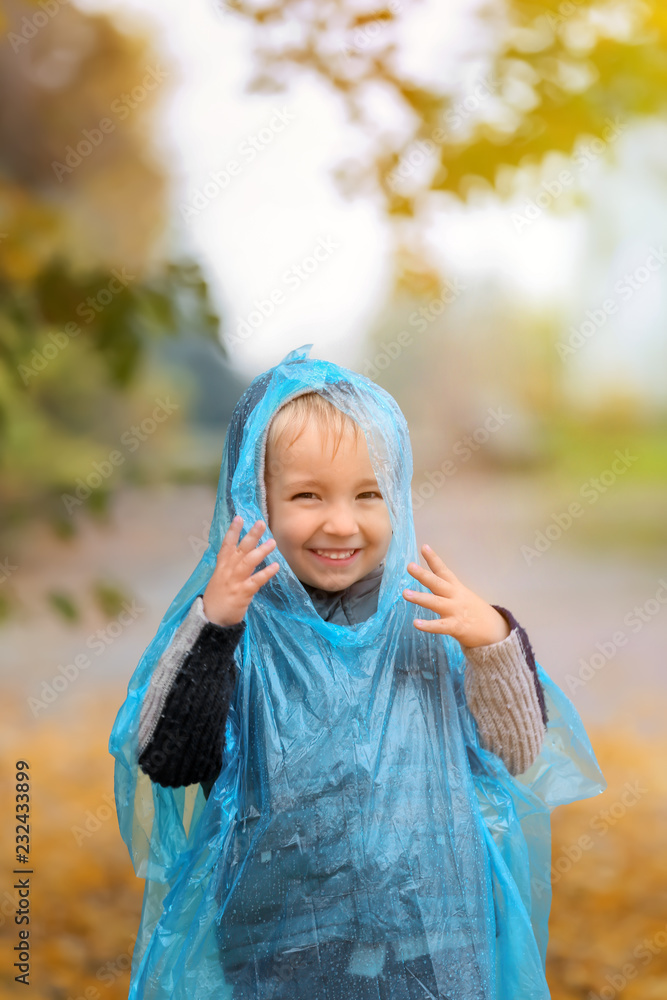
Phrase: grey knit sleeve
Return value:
(163, 676)
(506, 698)
(182, 724)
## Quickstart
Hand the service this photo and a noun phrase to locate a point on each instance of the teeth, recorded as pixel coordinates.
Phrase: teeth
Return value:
(335, 555)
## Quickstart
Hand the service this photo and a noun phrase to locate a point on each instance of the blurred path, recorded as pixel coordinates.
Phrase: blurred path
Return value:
(571, 597)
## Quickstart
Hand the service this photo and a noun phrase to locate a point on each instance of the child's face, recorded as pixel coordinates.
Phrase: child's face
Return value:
(317, 501)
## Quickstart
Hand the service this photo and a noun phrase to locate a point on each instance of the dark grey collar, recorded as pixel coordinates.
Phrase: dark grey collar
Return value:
(351, 605)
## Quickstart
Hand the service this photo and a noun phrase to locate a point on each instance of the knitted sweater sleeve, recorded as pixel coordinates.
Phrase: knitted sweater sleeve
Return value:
(182, 724)
(506, 697)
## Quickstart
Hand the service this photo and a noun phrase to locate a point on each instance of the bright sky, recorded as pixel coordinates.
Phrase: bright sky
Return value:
(278, 229)
(278, 208)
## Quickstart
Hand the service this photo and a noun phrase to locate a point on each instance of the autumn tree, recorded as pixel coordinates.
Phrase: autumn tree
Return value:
(87, 283)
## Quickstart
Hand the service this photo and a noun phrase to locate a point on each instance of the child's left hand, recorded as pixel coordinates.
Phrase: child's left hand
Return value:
(463, 614)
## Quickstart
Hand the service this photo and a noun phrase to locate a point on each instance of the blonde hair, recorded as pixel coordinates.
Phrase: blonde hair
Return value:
(292, 419)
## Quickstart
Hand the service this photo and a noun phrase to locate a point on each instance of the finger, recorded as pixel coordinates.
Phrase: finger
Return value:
(437, 564)
(259, 578)
(435, 625)
(230, 537)
(435, 603)
(430, 580)
(250, 539)
(255, 556)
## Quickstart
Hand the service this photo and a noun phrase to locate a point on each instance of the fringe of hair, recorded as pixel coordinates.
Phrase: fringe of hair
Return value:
(292, 418)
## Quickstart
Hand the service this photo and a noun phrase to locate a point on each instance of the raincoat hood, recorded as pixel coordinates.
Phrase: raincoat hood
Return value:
(355, 802)
(244, 490)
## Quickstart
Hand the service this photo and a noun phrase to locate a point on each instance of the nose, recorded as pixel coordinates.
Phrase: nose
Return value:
(340, 520)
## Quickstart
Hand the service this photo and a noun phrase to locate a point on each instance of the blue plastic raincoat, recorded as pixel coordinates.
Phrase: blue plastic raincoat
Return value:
(355, 803)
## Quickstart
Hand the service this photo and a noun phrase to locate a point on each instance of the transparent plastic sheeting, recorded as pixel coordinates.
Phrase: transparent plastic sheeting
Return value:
(356, 810)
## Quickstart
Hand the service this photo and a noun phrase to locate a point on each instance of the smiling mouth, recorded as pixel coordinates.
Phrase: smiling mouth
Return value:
(335, 556)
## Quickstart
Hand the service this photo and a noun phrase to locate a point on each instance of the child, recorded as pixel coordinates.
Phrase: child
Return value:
(368, 794)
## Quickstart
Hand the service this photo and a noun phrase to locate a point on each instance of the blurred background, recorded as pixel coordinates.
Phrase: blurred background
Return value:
(466, 203)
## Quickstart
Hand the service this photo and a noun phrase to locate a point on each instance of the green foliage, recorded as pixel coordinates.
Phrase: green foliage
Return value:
(85, 292)
(109, 597)
(64, 605)
(555, 73)
(577, 448)
(70, 386)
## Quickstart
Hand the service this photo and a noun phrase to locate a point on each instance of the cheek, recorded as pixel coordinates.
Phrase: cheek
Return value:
(384, 526)
(291, 524)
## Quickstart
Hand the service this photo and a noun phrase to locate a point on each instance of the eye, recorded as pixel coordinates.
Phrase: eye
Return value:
(369, 493)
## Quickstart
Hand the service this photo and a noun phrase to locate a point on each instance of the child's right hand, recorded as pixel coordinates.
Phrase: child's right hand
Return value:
(233, 584)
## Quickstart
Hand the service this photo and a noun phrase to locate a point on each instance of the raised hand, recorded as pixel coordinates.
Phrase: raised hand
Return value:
(233, 583)
(463, 614)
